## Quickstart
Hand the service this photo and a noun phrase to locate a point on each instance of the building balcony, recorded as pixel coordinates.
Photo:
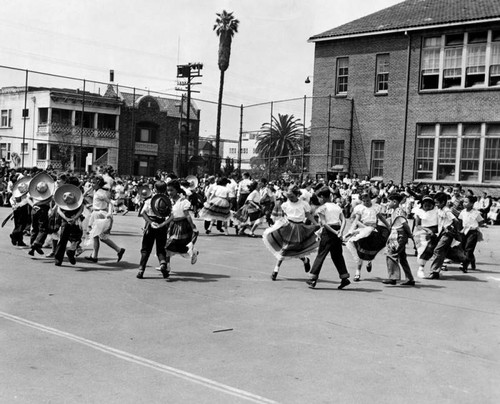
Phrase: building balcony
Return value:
(55, 128)
(44, 164)
(148, 149)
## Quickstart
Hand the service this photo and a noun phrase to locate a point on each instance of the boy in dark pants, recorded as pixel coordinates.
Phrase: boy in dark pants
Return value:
(471, 221)
(21, 211)
(396, 244)
(333, 222)
(69, 201)
(153, 235)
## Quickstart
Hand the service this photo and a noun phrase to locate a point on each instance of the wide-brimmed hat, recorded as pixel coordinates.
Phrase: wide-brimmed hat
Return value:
(144, 191)
(42, 187)
(21, 187)
(68, 197)
(161, 205)
(193, 181)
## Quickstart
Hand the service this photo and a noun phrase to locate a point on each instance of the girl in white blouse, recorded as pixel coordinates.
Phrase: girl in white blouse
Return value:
(291, 237)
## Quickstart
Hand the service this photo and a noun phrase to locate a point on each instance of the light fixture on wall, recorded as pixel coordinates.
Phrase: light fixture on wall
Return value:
(308, 79)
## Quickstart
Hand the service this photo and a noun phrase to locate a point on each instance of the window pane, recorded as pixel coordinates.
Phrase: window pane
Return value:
(472, 130)
(446, 159)
(382, 73)
(469, 162)
(427, 130)
(492, 160)
(493, 130)
(449, 130)
(144, 135)
(342, 75)
(432, 42)
(337, 153)
(377, 158)
(41, 151)
(425, 158)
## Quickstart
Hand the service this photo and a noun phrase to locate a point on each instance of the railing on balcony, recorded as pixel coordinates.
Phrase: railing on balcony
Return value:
(56, 128)
(43, 164)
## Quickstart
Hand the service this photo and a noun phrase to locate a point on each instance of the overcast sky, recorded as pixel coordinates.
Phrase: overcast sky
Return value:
(144, 40)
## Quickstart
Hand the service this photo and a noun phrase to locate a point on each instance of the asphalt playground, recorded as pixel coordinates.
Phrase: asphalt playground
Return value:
(221, 331)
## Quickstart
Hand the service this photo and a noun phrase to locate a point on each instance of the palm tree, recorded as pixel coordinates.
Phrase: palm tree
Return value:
(281, 139)
(225, 27)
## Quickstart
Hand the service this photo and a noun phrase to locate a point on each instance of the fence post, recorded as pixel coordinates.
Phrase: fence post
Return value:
(240, 140)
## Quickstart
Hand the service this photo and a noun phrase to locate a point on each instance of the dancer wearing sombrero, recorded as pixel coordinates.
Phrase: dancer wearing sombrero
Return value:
(368, 234)
(290, 237)
(182, 233)
(69, 203)
(41, 189)
(101, 221)
(20, 211)
(155, 212)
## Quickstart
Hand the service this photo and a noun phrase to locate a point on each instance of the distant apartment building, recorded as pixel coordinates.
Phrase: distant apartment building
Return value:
(58, 128)
(415, 94)
(155, 136)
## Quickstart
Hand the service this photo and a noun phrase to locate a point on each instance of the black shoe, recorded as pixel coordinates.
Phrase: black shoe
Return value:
(91, 259)
(408, 283)
(140, 274)
(58, 263)
(463, 268)
(433, 275)
(31, 252)
(307, 265)
(71, 256)
(389, 281)
(164, 271)
(120, 254)
(39, 250)
(369, 267)
(274, 275)
(312, 281)
(14, 242)
(21, 244)
(343, 283)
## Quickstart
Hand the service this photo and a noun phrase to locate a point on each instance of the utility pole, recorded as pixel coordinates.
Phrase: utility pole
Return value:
(185, 75)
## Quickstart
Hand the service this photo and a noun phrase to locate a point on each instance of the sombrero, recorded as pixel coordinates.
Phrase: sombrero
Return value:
(144, 191)
(21, 187)
(68, 197)
(193, 181)
(41, 187)
(161, 205)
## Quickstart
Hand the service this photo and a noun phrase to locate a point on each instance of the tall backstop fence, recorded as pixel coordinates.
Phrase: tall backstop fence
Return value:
(60, 122)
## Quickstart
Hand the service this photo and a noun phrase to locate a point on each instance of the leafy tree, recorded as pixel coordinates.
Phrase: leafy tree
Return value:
(281, 140)
(225, 27)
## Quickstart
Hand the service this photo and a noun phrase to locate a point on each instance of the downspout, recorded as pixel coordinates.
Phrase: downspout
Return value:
(351, 137)
(405, 130)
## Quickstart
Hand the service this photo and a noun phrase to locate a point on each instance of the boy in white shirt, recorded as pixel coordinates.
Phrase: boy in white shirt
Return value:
(333, 222)
(471, 221)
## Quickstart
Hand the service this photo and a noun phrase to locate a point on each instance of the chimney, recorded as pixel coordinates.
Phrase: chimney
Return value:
(111, 76)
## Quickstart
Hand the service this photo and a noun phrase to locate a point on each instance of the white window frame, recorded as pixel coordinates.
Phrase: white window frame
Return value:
(461, 61)
(6, 118)
(382, 73)
(342, 74)
(486, 138)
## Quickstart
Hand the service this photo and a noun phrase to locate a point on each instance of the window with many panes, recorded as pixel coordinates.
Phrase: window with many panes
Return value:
(244, 150)
(232, 150)
(342, 75)
(425, 152)
(41, 149)
(6, 118)
(377, 161)
(24, 148)
(5, 151)
(382, 80)
(465, 152)
(491, 165)
(337, 152)
(465, 60)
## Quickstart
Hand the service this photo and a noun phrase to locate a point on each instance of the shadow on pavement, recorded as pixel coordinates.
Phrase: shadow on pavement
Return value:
(195, 277)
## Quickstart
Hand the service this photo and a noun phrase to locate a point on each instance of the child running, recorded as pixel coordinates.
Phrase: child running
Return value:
(471, 221)
(290, 237)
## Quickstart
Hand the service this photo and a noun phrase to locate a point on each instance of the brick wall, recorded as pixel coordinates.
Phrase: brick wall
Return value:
(382, 117)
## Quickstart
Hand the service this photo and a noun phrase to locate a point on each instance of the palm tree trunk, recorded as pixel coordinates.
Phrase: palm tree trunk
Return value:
(217, 131)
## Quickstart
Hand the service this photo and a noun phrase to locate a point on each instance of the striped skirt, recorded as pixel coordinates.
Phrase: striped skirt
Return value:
(179, 235)
(216, 209)
(367, 247)
(287, 240)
